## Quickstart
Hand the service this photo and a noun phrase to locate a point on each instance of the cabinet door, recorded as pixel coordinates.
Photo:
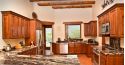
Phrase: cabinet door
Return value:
(89, 50)
(78, 48)
(83, 48)
(6, 28)
(113, 23)
(22, 28)
(26, 28)
(71, 48)
(120, 18)
(86, 29)
(99, 25)
(110, 60)
(94, 28)
(119, 60)
(102, 59)
(19, 27)
(14, 25)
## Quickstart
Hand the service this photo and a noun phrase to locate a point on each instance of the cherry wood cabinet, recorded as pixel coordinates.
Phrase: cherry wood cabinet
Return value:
(32, 51)
(14, 26)
(56, 48)
(111, 59)
(86, 29)
(90, 29)
(84, 48)
(114, 16)
(34, 25)
(71, 47)
(102, 59)
(117, 22)
(89, 50)
(78, 48)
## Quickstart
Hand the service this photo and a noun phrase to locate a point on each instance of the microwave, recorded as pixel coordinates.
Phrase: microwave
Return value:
(105, 28)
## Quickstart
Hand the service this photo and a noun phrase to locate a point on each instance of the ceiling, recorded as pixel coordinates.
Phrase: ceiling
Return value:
(61, 4)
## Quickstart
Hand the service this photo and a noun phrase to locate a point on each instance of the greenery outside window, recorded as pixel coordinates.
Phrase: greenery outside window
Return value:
(73, 30)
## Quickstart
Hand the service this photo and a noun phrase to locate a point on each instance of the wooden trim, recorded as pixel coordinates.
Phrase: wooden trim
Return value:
(47, 23)
(73, 23)
(48, 26)
(51, 3)
(14, 13)
(71, 6)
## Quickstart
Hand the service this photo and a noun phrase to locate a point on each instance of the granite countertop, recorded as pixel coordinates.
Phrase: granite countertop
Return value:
(107, 51)
(7, 59)
(16, 51)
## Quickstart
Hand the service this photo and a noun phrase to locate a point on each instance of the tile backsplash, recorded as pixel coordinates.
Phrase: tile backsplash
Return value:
(121, 41)
(13, 42)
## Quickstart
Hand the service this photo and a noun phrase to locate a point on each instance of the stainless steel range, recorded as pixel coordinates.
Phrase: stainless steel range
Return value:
(96, 55)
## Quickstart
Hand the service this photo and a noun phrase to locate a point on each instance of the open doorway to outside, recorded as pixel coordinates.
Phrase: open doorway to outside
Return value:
(48, 36)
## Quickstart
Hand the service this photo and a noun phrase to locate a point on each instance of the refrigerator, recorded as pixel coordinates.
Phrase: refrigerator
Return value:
(39, 42)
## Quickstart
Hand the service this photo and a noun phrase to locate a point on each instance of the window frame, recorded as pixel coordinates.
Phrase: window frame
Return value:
(71, 23)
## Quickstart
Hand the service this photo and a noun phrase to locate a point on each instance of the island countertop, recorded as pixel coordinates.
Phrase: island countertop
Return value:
(7, 59)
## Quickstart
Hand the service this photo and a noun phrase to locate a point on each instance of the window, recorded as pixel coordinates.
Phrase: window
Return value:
(73, 30)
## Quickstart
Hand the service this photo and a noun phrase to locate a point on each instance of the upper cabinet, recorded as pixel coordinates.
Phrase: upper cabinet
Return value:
(115, 17)
(35, 24)
(90, 29)
(14, 25)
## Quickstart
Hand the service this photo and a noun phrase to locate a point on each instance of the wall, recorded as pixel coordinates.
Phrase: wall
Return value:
(70, 15)
(23, 7)
(97, 9)
(46, 13)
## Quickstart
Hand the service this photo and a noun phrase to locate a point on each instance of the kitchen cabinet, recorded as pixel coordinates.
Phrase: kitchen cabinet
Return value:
(117, 22)
(89, 50)
(14, 26)
(90, 29)
(71, 47)
(78, 48)
(84, 48)
(102, 59)
(111, 59)
(56, 48)
(34, 25)
(86, 29)
(114, 16)
(32, 51)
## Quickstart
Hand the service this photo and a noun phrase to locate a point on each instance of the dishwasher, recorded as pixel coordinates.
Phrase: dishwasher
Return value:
(63, 48)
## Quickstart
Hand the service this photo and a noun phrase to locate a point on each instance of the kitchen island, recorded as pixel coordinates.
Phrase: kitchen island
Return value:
(13, 58)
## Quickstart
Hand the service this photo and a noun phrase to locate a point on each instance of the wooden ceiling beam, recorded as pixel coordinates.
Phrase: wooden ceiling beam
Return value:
(64, 3)
(71, 6)
(49, 0)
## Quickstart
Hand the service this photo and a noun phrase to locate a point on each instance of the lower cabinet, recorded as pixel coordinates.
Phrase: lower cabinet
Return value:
(32, 51)
(56, 48)
(111, 59)
(89, 50)
(78, 48)
(73, 48)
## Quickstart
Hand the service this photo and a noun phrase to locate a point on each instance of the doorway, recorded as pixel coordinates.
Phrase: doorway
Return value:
(48, 36)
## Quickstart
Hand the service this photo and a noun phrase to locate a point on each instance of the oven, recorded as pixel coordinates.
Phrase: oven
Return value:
(96, 57)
